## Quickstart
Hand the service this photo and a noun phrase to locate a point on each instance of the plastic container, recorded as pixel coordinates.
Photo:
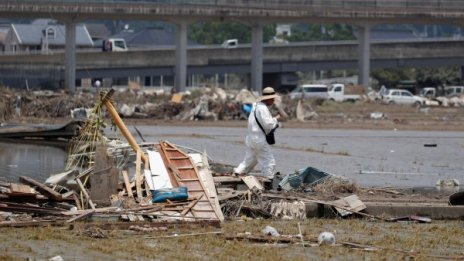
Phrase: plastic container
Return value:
(174, 194)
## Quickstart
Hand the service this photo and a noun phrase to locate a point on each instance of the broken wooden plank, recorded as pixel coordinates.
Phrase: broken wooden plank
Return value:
(78, 202)
(127, 184)
(227, 179)
(138, 175)
(68, 194)
(21, 189)
(97, 210)
(351, 204)
(190, 206)
(28, 208)
(84, 191)
(251, 182)
(42, 188)
(231, 194)
(82, 215)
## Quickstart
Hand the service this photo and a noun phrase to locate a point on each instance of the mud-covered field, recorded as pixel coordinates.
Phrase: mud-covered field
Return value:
(355, 240)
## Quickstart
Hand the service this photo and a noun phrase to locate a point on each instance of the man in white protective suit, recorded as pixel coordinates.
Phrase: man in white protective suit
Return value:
(258, 150)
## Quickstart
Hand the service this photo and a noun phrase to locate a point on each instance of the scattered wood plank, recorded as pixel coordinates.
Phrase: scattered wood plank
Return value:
(231, 194)
(97, 210)
(42, 188)
(227, 179)
(352, 203)
(191, 205)
(68, 194)
(252, 182)
(28, 208)
(82, 215)
(127, 184)
(21, 189)
(138, 175)
(84, 191)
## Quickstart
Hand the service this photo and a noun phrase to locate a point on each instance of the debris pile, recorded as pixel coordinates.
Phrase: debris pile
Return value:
(7, 104)
(196, 104)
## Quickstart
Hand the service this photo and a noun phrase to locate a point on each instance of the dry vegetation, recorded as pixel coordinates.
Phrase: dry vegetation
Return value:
(439, 240)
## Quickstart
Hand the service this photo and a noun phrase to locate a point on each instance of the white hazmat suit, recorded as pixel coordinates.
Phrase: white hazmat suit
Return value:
(258, 151)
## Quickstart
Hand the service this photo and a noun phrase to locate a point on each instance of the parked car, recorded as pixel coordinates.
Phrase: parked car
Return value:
(397, 96)
(453, 91)
(310, 91)
(114, 45)
(428, 92)
(341, 93)
(230, 43)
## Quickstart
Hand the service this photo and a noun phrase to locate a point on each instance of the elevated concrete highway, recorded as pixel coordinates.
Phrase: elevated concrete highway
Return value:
(336, 52)
(337, 11)
(254, 13)
(277, 59)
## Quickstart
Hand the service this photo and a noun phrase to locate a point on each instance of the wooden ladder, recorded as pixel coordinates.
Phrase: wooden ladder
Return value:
(183, 173)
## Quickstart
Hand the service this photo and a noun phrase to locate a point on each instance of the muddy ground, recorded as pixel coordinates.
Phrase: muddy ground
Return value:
(355, 240)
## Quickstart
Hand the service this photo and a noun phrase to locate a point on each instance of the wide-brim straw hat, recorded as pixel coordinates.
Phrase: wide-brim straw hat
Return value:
(268, 93)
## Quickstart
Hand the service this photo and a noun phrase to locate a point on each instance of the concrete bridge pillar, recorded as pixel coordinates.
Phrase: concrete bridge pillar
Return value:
(70, 56)
(257, 57)
(364, 50)
(181, 57)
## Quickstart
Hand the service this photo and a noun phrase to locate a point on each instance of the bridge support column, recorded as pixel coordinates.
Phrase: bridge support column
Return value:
(364, 50)
(181, 57)
(70, 56)
(257, 57)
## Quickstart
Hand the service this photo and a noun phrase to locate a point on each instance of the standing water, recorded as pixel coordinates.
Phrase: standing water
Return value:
(36, 160)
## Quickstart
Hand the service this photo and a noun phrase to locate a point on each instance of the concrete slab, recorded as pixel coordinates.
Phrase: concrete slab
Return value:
(433, 211)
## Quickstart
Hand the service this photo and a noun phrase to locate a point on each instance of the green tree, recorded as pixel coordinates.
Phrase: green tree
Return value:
(392, 76)
(438, 76)
(321, 32)
(422, 76)
(218, 32)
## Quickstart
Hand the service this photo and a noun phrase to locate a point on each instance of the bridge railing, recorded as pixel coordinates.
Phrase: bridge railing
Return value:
(438, 5)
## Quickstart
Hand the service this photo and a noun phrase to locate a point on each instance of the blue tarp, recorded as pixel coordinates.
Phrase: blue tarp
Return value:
(304, 177)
